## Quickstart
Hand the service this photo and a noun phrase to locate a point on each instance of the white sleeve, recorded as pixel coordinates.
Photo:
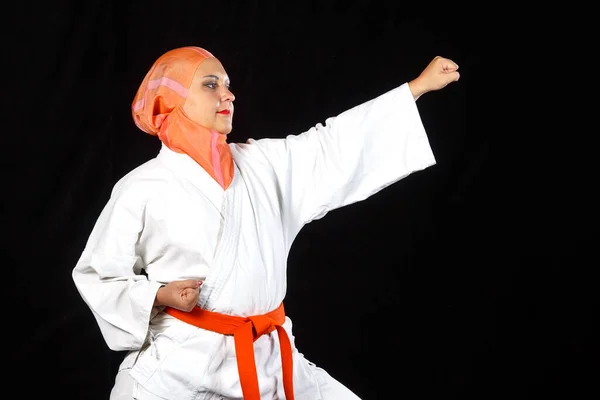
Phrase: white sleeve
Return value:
(353, 156)
(108, 273)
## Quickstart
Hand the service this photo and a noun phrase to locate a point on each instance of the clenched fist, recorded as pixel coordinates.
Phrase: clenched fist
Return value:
(439, 73)
(182, 295)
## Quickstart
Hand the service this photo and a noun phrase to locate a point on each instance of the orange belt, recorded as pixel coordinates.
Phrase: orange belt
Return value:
(245, 331)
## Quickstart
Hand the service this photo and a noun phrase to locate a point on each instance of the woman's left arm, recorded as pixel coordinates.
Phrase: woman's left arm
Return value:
(353, 155)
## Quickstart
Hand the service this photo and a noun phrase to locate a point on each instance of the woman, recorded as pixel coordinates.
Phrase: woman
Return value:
(186, 265)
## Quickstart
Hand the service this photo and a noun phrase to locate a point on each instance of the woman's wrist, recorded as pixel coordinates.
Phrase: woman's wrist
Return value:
(416, 88)
(158, 298)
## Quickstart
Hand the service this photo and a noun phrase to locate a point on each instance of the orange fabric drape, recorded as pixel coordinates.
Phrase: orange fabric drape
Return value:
(245, 331)
(157, 109)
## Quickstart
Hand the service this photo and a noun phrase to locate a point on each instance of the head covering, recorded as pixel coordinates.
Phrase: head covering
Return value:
(157, 109)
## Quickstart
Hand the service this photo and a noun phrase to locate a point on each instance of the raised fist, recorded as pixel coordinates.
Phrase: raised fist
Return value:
(437, 75)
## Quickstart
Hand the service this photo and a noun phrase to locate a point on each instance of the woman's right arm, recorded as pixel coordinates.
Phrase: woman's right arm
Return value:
(108, 274)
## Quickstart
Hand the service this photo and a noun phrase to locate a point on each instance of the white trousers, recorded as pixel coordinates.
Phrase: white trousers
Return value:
(125, 388)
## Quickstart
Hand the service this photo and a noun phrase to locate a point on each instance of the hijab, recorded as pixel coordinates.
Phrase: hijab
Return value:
(157, 109)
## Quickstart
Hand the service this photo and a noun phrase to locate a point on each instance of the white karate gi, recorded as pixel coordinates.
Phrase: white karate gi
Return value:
(169, 218)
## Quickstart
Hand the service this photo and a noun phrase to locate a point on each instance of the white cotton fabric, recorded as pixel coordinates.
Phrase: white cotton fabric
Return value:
(169, 219)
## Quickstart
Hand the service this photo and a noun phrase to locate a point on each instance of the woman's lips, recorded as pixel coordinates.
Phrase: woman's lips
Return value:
(224, 112)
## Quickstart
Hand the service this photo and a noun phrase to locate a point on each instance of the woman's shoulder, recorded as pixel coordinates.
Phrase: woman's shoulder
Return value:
(256, 148)
(144, 181)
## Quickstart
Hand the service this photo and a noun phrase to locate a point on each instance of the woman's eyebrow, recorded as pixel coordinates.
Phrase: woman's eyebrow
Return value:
(214, 77)
(211, 76)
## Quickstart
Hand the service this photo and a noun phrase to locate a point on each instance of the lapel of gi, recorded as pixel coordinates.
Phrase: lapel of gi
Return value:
(226, 253)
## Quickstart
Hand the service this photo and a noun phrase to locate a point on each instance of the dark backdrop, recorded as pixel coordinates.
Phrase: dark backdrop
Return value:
(473, 279)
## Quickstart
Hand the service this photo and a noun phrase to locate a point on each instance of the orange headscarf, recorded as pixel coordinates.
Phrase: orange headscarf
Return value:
(157, 109)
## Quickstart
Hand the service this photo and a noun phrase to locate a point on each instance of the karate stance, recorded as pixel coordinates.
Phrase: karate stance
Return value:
(185, 267)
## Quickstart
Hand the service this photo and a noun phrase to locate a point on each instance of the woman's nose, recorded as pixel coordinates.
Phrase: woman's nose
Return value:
(228, 95)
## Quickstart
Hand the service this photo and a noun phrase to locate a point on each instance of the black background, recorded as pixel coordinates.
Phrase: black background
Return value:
(473, 279)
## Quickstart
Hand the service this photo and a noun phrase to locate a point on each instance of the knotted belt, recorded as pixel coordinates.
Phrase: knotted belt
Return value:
(245, 331)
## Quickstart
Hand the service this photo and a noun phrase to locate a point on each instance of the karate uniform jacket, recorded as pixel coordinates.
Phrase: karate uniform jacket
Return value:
(169, 220)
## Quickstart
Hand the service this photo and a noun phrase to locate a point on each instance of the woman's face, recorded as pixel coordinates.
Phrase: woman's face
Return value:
(209, 101)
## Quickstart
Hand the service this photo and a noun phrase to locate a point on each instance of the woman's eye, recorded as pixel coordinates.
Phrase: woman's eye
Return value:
(211, 85)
